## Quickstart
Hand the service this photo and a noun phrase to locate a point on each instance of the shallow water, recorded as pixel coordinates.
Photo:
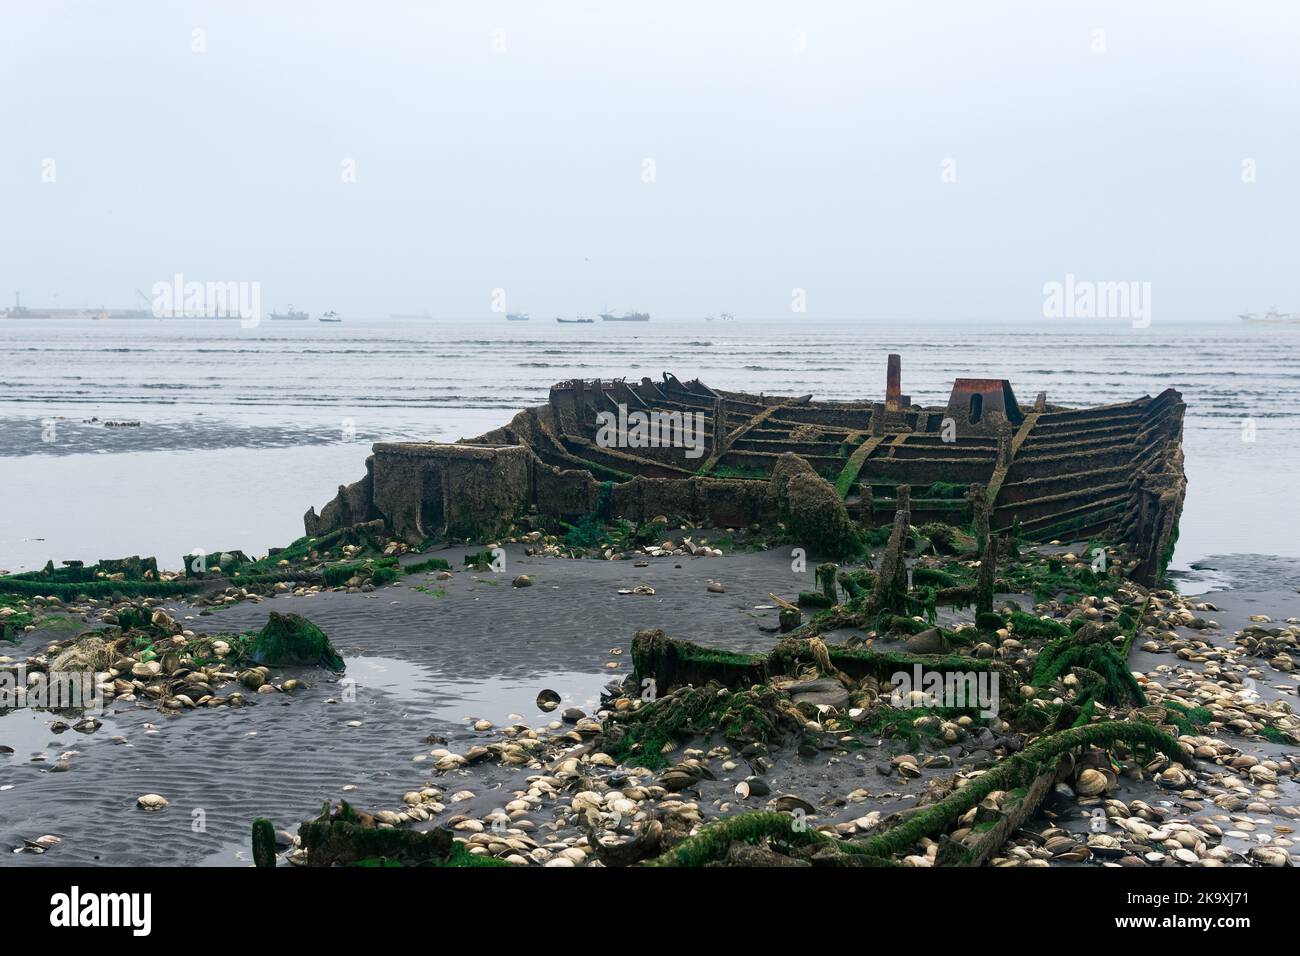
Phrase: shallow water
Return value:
(243, 429)
(446, 696)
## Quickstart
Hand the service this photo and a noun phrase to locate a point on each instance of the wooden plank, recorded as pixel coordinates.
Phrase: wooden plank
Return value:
(1000, 473)
(849, 474)
(740, 430)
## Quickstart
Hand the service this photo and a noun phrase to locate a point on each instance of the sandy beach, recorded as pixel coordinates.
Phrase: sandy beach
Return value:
(426, 659)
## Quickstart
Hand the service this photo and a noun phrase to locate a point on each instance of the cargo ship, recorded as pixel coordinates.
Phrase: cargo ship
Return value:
(290, 316)
(625, 317)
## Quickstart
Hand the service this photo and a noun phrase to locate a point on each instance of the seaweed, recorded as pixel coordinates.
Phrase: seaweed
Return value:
(343, 838)
(382, 574)
(933, 577)
(428, 564)
(1091, 648)
(589, 529)
(826, 578)
(757, 714)
(1187, 719)
(1029, 625)
(290, 639)
(336, 575)
(263, 843)
(114, 590)
(1014, 771)
(713, 841)
(901, 722)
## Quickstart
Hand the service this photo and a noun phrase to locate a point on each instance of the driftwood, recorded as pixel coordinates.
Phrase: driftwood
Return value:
(1036, 766)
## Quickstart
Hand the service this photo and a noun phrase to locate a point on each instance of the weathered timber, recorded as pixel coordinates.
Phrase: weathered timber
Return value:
(1056, 472)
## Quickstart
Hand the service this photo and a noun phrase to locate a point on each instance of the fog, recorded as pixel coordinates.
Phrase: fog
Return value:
(891, 161)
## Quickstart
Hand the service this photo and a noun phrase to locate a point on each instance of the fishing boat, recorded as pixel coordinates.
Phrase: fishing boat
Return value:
(330, 316)
(1043, 471)
(1272, 317)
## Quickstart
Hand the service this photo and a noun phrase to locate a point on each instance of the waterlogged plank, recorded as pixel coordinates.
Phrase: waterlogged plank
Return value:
(844, 483)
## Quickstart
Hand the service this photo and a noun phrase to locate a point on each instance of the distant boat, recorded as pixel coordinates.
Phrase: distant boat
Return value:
(330, 316)
(1272, 317)
(20, 311)
(517, 317)
(290, 316)
(727, 317)
(625, 317)
(577, 321)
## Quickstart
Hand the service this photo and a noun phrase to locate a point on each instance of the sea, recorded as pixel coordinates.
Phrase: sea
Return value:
(156, 437)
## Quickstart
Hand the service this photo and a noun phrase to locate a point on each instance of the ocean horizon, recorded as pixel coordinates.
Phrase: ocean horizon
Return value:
(224, 436)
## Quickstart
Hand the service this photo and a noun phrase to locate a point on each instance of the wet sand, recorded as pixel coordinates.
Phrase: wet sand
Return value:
(422, 664)
(427, 657)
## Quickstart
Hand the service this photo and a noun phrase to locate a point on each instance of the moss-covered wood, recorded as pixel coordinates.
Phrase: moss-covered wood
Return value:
(1032, 771)
(290, 639)
(263, 843)
(668, 663)
(1019, 770)
(347, 838)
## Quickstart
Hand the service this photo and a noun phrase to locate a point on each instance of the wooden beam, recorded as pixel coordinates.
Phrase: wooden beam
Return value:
(740, 430)
(1000, 472)
(853, 466)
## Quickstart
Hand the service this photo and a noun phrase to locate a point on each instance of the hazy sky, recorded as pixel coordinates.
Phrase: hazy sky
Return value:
(793, 145)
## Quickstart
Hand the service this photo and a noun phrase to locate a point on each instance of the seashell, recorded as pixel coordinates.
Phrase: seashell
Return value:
(42, 843)
(1173, 777)
(788, 803)
(1090, 783)
(151, 801)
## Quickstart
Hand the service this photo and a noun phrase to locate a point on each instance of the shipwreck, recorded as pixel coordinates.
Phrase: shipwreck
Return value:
(636, 450)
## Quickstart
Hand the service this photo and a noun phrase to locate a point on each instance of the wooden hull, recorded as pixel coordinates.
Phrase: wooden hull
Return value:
(1051, 472)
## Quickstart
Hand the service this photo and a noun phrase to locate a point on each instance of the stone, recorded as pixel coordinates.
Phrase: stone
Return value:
(929, 641)
(825, 692)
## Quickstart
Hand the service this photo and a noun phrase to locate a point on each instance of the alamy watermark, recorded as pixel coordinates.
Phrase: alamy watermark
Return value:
(57, 690)
(1086, 299)
(930, 688)
(653, 429)
(208, 300)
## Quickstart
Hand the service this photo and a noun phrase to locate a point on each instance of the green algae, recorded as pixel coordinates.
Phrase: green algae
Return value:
(758, 714)
(1017, 770)
(1091, 648)
(263, 843)
(290, 639)
(346, 838)
(1030, 625)
(428, 564)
